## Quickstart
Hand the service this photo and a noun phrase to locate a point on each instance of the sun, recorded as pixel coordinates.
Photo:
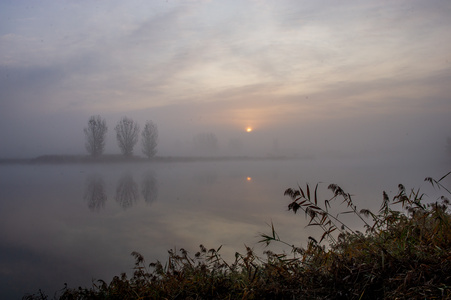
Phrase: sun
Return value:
(249, 129)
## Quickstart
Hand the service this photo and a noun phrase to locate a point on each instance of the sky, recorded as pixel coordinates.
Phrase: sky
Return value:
(312, 78)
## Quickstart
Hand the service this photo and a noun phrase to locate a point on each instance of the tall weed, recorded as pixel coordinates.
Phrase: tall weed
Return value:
(404, 253)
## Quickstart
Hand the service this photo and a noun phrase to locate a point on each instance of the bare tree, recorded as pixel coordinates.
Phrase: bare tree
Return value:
(95, 135)
(127, 132)
(149, 139)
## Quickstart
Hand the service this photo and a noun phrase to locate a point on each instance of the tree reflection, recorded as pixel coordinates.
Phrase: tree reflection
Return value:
(95, 194)
(126, 191)
(149, 188)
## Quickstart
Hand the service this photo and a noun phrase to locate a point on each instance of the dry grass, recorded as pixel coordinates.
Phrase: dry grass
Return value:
(405, 253)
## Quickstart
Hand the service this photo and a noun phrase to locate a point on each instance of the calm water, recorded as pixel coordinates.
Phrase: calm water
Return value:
(75, 223)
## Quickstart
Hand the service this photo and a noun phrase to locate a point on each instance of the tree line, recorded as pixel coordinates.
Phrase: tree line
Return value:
(127, 135)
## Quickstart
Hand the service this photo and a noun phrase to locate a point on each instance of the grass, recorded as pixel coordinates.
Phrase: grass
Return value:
(404, 253)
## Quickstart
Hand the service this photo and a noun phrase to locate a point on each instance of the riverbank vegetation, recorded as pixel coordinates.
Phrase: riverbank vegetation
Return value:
(404, 252)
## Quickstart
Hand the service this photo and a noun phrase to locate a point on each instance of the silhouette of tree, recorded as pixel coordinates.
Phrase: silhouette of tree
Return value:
(149, 139)
(95, 135)
(127, 132)
(95, 193)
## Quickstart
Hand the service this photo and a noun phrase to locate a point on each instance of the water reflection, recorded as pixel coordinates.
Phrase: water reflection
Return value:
(212, 203)
(95, 194)
(126, 191)
(149, 187)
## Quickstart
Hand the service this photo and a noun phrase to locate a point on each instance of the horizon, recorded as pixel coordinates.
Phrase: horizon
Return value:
(355, 79)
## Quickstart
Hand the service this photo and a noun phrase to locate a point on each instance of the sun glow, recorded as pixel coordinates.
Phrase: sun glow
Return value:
(249, 129)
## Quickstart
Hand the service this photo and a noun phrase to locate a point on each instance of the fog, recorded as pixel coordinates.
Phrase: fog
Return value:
(72, 223)
(411, 135)
(354, 93)
(312, 79)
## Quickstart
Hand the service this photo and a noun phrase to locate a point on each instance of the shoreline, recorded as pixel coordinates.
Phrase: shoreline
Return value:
(117, 158)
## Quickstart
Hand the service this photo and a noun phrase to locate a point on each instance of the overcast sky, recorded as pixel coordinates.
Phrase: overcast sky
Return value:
(337, 78)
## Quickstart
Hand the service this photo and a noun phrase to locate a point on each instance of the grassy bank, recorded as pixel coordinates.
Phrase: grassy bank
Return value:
(404, 253)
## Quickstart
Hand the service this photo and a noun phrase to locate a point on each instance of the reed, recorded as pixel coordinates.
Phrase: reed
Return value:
(404, 253)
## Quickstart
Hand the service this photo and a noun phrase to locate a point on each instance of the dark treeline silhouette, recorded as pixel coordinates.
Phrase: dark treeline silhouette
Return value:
(127, 132)
(95, 135)
(149, 139)
(127, 135)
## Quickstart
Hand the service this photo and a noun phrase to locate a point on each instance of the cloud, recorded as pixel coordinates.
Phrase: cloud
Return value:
(276, 66)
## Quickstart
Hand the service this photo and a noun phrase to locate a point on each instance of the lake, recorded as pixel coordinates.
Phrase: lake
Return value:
(74, 223)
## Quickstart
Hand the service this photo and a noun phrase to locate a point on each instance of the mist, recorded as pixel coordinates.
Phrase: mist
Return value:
(309, 79)
(249, 97)
(412, 135)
